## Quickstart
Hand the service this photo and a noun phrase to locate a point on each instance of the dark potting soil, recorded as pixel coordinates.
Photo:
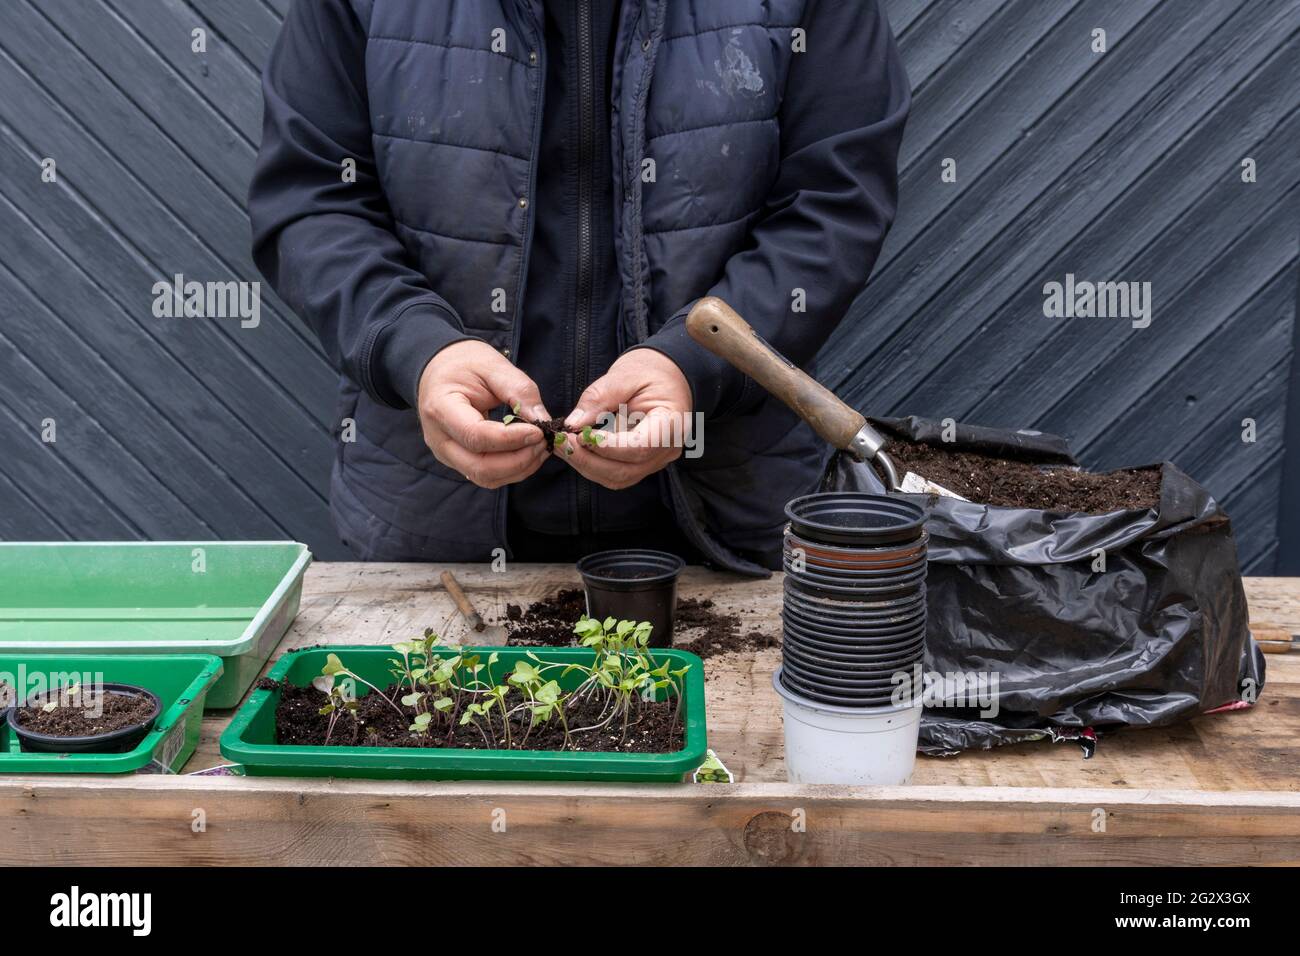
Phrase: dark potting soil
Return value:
(652, 729)
(706, 631)
(990, 480)
(699, 626)
(552, 428)
(75, 719)
(546, 623)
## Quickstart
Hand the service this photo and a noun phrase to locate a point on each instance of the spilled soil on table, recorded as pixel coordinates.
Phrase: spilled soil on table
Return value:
(700, 627)
(705, 630)
(548, 622)
(989, 480)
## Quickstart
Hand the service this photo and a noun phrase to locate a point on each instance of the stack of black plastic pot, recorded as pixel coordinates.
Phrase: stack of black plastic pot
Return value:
(854, 617)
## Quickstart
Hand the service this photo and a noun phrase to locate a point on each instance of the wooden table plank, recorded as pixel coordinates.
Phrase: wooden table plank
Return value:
(346, 603)
(1218, 789)
(152, 820)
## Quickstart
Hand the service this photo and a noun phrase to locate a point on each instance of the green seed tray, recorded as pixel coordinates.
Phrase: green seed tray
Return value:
(181, 681)
(250, 738)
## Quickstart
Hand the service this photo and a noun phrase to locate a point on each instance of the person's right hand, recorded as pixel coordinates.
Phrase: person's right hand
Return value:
(458, 386)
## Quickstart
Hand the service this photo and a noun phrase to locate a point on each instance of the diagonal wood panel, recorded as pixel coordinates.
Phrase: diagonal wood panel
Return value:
(1117, 166)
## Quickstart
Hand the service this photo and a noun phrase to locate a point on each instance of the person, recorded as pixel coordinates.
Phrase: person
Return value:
(512, 204)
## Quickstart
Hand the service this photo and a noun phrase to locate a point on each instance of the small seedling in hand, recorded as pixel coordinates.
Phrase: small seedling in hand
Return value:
(592, 437)
(513, 416)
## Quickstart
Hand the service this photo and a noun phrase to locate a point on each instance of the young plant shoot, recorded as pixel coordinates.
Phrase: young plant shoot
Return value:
(438, 689)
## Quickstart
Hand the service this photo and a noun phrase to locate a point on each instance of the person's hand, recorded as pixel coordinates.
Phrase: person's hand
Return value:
(463, 382)
(642, 382)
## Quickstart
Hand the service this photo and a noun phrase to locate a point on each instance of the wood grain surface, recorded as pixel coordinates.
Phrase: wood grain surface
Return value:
(1220, 789)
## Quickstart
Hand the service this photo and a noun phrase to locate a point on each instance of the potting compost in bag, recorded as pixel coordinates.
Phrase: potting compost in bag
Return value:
(1159, 636)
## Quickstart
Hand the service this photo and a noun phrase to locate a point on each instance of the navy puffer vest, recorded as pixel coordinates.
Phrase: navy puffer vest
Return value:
(456, 130)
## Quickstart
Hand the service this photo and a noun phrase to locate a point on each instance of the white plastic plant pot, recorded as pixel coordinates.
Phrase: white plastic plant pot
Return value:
(857, 746)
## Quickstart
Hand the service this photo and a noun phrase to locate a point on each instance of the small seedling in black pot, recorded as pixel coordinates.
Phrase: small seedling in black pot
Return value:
(634, 585)
(105, 718)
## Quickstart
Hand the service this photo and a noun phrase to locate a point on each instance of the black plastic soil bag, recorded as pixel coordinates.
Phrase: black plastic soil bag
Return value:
(1159, 636)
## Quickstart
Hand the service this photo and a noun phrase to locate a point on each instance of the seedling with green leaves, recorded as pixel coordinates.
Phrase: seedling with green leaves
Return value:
(340, 699)
(63, 697)
(440, 688)
(74, 696)
(623, 672)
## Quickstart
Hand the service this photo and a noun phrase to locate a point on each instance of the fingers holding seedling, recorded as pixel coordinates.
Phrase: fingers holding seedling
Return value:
(458, 389)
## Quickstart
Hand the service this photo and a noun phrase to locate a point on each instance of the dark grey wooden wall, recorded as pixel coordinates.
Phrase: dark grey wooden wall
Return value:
(1122, 165)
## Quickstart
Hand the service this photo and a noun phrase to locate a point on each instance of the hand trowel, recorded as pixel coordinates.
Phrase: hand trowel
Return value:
(859, 447)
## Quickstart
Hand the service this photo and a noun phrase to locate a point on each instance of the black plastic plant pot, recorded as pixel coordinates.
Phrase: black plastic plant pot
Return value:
(829, 587)
(634, 585)
(853, 624)
(845, 605)
(821, 586)
(815, 692)
(855, 519)
(876, 684)
(819, 663)
(855, 635)
(842, 570)
(875, 628)
(122, 740)
(884, 556)
(877, 619)
(847, 608)
(811, 660)
(852, 648)
(869, 581)
(801, 559)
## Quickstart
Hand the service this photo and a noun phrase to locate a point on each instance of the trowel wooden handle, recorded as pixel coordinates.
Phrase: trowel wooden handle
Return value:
(717, 327)
(458, 595)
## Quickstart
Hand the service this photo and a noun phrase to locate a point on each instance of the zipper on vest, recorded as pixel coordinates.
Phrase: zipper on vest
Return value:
(516, 325)
(586, 186)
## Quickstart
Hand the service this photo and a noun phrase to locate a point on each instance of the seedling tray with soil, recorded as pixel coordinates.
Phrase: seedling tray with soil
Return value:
(181, 683)
(375, 729)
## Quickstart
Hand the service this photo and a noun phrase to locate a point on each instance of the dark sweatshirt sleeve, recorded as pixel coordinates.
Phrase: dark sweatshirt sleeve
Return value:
(846, 101)
(327, 246)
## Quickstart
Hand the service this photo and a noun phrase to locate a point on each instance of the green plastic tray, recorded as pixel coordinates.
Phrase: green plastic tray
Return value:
(181, 681)
(250, 738)
(234, 599)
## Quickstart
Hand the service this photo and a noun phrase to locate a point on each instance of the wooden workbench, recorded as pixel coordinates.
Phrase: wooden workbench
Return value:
(1222, 789)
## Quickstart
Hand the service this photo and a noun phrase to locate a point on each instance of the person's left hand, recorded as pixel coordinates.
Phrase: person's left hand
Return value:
(645, 383)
